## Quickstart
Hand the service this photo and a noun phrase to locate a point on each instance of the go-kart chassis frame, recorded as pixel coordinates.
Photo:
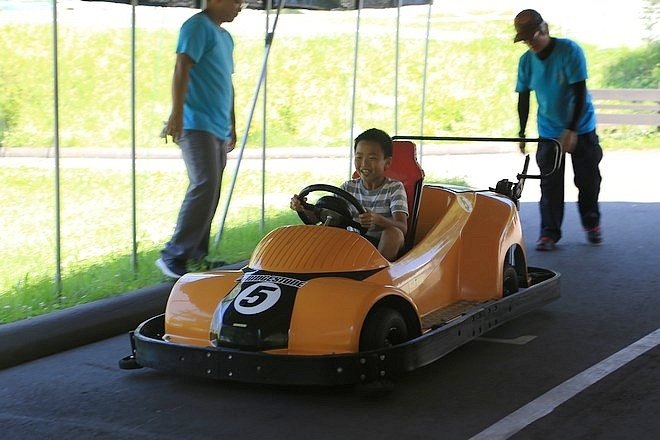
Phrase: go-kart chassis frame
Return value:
(150, 350)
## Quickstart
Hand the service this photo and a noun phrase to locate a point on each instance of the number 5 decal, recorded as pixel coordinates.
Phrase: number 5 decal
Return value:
(257, 298)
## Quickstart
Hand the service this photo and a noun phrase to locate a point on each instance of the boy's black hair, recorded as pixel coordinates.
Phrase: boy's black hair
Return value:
(379, 136)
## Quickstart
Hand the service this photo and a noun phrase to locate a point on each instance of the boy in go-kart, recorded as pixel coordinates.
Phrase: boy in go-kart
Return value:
(384, 199)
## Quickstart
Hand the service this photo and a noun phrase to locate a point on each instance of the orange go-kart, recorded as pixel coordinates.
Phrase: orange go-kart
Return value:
(318, 304)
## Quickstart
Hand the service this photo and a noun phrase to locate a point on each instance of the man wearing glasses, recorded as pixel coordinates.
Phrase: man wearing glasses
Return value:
(556, 69)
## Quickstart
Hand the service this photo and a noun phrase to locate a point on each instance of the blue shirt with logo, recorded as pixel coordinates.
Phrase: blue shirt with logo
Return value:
(551, 79)
(209, 97)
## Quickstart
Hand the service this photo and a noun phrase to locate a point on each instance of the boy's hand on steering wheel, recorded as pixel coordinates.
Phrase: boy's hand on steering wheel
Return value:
(368, 219)
(296, 203)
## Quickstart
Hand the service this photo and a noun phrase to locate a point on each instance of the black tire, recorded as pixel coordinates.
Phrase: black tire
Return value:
(510, 280)
(384, 327)
(129, 363)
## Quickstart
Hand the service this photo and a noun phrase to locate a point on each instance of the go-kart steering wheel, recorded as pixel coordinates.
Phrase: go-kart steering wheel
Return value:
(332, 215)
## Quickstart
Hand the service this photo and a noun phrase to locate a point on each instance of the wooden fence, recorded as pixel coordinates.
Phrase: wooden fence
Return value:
(627, 106)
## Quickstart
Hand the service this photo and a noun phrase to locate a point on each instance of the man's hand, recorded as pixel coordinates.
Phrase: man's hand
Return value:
(231, 144)
(522, 144)
(568, 141)
(174, 126)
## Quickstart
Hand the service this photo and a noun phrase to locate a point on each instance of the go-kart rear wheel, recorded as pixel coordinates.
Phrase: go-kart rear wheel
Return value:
(384, 327)
(510, 280)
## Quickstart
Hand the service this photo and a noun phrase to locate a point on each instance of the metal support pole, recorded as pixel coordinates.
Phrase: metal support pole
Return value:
(269, 42)
(396, 69)
(262, 224)
(426, 62)
(133, 151)
(355, 64)
(56, 144)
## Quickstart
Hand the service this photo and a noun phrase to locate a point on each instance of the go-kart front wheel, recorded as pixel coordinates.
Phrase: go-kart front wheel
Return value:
(384, 327)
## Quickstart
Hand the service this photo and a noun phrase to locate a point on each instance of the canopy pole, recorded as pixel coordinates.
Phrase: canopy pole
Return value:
(134, 264)
(355, 65)
(396, 69)
(269, 42)
(56, 144)
(426, 62)
(262, 223)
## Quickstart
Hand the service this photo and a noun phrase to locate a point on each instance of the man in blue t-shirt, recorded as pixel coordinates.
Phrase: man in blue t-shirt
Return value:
(556, 69)
(202, 123)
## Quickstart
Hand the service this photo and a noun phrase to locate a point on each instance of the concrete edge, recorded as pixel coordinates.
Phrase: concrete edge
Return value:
(248, 153)
(41, 336)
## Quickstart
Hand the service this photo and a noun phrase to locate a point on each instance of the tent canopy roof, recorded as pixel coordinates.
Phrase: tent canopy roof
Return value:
(320, 5)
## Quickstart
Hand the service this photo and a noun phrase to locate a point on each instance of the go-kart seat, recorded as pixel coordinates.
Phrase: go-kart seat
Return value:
(406, 169)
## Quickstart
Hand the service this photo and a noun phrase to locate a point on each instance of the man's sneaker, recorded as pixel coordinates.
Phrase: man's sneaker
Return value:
(594, 235)
(545, 244)
(170, 271)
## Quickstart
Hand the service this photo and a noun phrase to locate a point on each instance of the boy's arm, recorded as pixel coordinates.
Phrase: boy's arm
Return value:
(398, 220)
(296, 204)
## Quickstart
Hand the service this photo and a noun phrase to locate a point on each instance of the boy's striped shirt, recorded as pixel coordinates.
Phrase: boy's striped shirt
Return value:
(385, 200)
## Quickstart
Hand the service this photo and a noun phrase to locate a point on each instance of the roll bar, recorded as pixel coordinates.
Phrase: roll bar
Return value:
(509, 189)
(558, 149)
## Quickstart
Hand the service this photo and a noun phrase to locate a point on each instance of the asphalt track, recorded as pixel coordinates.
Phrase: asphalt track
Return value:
(609, 302)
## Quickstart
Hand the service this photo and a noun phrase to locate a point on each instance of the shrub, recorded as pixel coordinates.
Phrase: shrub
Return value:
(636, 68)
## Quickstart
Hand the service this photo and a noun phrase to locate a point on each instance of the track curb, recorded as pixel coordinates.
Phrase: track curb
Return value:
(37, 337)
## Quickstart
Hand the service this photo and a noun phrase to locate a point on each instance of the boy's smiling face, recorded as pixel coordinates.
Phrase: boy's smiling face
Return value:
(371, 163)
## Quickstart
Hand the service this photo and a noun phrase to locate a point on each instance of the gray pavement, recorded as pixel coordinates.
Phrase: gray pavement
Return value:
(609, 301)
(628, 175)
(249, 153)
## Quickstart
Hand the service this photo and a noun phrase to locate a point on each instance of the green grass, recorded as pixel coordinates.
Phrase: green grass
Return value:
(96, 234)
(470, 83)
(110, 274)
(96, 228)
